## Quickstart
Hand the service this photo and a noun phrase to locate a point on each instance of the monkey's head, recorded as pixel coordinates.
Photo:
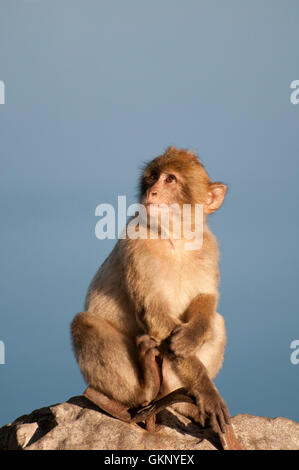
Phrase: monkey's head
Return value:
(178, 177)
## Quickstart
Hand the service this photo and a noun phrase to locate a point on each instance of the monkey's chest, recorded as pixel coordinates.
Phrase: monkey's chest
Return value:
(178, 282)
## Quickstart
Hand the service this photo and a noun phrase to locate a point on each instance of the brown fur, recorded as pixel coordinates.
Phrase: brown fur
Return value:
(157, 288)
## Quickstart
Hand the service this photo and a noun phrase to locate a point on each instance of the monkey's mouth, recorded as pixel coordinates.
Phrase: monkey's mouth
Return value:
(149, 205)
(156, 204)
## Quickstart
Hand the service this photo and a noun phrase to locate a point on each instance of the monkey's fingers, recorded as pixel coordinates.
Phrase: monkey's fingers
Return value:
(226, 412)
(221, 414)
(221, 419)
(155, 352)
(214, 423)
(202, 416)
(144, 343)
(143, 338)
(182, 342)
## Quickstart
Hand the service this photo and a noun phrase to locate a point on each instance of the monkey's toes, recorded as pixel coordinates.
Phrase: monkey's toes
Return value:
(213, 411)
(219, 418)
(145, 344)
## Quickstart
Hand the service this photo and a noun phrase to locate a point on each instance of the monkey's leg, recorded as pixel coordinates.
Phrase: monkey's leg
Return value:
(112, 363)
(152, 380)
(112, 407)
(148, 354)
(149, 359)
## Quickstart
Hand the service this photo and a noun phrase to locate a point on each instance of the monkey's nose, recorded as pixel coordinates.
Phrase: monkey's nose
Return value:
(154, 193)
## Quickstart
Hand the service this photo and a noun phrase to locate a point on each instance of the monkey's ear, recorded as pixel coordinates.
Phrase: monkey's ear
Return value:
(215, 197)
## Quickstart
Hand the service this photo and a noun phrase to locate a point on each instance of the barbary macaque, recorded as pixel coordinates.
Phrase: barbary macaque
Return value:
(154, 302)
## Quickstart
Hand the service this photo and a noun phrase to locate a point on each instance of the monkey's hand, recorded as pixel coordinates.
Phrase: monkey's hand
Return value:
(158, 327)
(212, 409)
(184, 340)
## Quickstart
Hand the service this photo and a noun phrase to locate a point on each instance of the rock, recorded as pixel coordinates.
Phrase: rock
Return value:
(78, 424)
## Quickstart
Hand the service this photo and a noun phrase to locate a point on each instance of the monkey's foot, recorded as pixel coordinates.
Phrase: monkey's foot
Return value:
(118, 410)
(177, 396)
(148, 413)
(212, 410)
(112, 407)
(228, 439)
(136, 415)
(148, 353)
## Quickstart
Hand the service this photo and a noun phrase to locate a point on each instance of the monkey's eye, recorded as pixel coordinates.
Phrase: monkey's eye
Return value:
(170, 179)
(152, 178)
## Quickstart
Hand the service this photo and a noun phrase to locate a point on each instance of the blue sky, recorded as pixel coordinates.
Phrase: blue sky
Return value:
(92, 90)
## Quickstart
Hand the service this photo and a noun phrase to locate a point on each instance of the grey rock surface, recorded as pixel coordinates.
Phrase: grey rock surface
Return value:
(78, 424)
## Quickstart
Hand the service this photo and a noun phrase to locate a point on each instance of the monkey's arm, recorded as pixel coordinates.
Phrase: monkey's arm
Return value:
(195, 330)
(211, 407)
(192, 372)
(156, 322)
(179, 348)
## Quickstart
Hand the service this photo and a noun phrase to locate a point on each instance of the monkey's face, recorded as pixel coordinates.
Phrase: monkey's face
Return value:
(178, 177)
(163, 188)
